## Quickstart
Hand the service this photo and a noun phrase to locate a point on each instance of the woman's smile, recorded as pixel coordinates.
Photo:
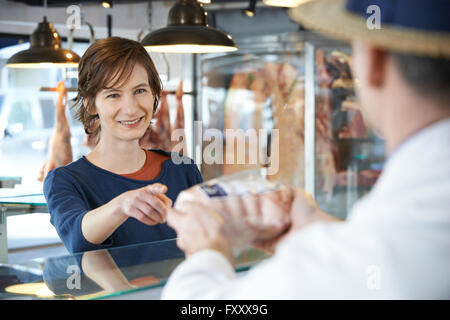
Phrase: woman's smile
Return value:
(131, 123)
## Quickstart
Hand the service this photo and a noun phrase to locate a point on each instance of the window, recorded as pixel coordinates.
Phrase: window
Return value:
(48, 112)
(2, 98)
(21, 113)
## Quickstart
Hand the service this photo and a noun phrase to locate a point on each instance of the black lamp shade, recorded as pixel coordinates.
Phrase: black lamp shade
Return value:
(199, 38)
(45, 51)
(187, 31)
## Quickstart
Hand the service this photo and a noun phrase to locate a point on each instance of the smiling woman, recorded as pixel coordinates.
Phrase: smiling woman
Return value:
(119, 193)
(105, 67)
(125, 112)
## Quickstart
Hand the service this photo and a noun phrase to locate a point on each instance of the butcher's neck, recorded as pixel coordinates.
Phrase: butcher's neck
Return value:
(124, 158)
(407, 112)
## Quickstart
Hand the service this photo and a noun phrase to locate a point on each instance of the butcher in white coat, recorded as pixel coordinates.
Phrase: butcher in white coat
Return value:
(395, 243)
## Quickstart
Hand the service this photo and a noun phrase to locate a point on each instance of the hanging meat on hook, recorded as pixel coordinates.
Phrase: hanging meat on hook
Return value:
(288, 113)
(59, 148)
(325, 150)
(157, 135)
(267, 96)
(177, 130)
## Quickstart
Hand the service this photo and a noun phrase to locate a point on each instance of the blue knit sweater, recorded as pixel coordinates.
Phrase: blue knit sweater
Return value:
(73, 190)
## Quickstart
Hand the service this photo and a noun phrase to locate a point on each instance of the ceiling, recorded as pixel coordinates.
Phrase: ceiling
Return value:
(63, 3)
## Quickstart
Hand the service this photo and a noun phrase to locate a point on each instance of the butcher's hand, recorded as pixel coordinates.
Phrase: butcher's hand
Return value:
(199, 227)
(304, 211)
(148, 204)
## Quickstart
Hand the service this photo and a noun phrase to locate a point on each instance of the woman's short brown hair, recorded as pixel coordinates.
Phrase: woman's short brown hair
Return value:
(107, 59)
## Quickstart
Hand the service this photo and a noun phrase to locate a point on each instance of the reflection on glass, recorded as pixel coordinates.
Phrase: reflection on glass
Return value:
(256, 93)
(349, 157)
(98, 273)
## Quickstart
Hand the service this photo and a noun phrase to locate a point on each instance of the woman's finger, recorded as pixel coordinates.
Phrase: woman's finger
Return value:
(149, 211)
(142, 217)
(155, 202)
(167, 201)
(156, 188)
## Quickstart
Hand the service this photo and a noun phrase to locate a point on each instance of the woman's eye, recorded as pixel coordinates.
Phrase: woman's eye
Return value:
(114, 95)
(141, 90)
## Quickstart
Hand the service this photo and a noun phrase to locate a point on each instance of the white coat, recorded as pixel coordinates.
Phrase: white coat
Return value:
(395, 243)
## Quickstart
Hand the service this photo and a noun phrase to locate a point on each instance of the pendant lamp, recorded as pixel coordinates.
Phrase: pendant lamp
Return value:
(187, 31)
(284, 3)
(45, 51)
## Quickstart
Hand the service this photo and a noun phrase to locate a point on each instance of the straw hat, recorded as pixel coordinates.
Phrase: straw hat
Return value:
(420, 27)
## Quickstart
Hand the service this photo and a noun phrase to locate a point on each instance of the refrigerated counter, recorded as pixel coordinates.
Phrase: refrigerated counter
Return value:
(131, 272)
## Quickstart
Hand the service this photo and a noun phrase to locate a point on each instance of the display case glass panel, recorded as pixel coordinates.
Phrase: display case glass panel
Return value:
(254, 100)
(299, 88)
(102, 274)
(349, 156)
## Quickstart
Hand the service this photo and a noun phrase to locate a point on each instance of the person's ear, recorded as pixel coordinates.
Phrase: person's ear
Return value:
(85, 105)
(377, 62)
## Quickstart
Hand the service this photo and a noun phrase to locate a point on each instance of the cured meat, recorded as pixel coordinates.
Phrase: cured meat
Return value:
(324, 78)
(59, 148)
(364, 178)
(178, 126)
(334, 80)
(288, 114)
(356, 129)
(341, 62)
(179, 120)
(252, 215)
(325, 150)
(240, 113)
(278, 87)
(350, 105)
(157, 135)
(368, 178)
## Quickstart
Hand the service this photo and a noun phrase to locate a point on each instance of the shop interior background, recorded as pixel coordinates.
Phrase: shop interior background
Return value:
(27, 113)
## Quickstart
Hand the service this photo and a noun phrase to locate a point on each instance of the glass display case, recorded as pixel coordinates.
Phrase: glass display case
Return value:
(344, 157)
(290, 97)
(102, 274)
(255, 99)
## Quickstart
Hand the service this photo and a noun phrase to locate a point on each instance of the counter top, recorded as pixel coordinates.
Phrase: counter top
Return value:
(141, 269)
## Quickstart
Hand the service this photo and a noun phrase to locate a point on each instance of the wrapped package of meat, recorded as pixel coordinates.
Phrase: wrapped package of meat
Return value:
(254, 209)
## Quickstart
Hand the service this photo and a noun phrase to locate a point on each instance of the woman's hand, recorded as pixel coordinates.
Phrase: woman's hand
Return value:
(148, 204)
